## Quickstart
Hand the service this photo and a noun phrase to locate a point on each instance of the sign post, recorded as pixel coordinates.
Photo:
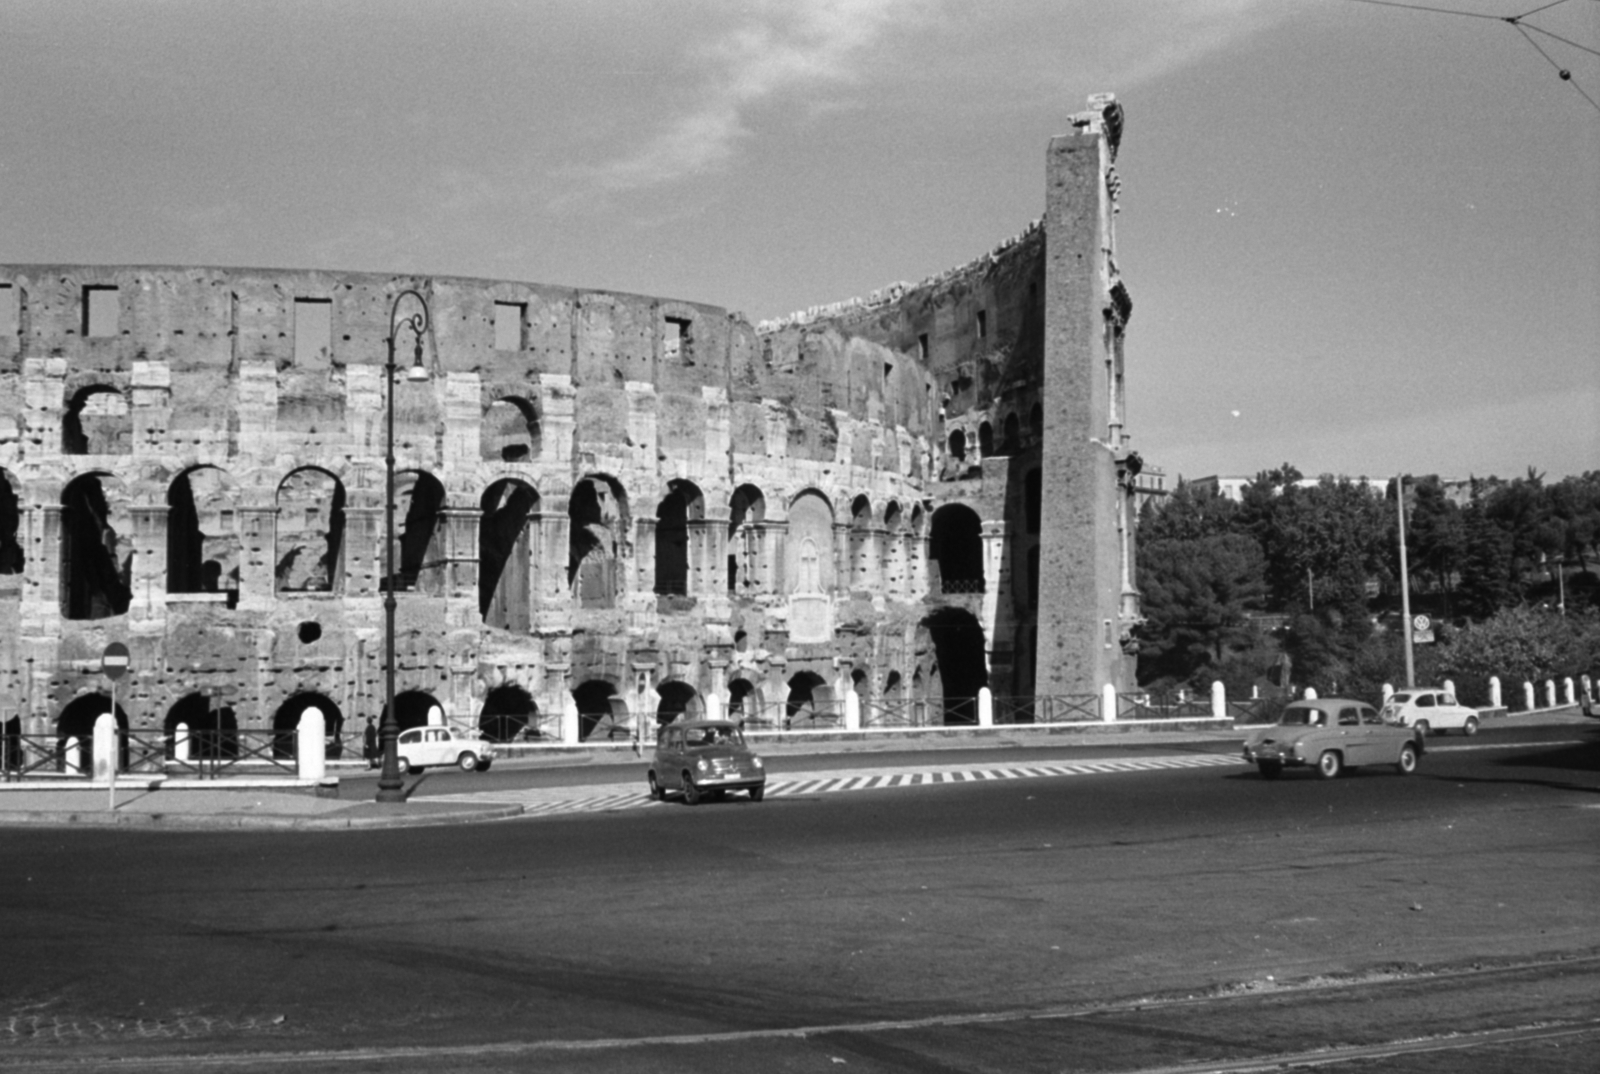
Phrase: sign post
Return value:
(113, 665)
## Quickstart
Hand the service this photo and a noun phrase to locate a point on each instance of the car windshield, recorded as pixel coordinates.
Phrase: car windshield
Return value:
(1302, 717)
(715, 736)
(1397, 699)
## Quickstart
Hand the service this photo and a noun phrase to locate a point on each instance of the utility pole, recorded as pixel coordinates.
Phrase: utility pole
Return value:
(1405, 581)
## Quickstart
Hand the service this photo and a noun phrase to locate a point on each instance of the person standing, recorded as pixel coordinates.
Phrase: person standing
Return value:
(369, 743)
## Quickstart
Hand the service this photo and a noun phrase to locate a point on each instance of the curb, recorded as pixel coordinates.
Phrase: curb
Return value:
(266, 822)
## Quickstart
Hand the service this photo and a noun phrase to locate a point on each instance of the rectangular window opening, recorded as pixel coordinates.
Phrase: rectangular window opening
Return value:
(983, 324)
(313, 331)
(102, 309)
(677, 344)
(508, 321)
(922, 346)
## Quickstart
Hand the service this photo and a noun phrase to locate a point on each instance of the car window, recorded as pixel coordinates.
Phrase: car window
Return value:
(411, 736)
(1301, 716)
(1349, 715)
(1369, 716)
(1448, 699)
(1424, 701)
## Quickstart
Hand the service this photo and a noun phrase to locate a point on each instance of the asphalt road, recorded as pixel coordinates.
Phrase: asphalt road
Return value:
(1178, 920)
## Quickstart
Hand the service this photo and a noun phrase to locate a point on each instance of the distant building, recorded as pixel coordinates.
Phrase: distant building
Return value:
(1232, 488)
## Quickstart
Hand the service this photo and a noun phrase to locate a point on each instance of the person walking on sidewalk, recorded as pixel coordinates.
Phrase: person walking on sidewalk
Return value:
(369, 744)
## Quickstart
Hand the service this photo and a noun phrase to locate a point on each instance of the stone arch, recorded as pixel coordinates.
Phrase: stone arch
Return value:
(310, 536)
(203, 545)
(97, 421)
(682, 505)
(508, 711)
(863, 571)
(809, 568)
(12, 558)
(597, 540)
(747, 515)
(213, 732)
(959, 648)
(601, 711)
(956, 546)
(286, 721)
(746, 700)
(77, 721)
(810, 702)
(511, 430)
(419, 533)
(678, 701)
(985, 440)
(509, 512)
(96, 548)
(956, 445)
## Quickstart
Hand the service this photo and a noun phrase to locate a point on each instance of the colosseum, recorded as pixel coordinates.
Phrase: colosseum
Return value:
(908, 509)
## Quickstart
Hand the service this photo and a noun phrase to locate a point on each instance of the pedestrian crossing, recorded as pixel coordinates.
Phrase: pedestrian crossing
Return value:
(614, 797)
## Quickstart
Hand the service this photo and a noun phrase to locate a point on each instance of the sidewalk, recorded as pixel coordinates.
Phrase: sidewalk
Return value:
(155, 805)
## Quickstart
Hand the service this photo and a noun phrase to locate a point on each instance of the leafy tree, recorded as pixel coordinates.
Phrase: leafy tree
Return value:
(1486, 584)
(1191, 512)
(1196, 593)
(1575, 513)
(1436, 536)
(1322, 543)
(1521, 509)
(1522, 644)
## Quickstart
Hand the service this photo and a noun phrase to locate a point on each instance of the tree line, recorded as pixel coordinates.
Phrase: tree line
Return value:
(1298, 583)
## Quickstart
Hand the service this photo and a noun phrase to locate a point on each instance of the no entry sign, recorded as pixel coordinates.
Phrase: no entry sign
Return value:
(114, 661)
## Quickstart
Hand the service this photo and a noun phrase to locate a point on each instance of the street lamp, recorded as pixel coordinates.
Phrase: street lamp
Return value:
(391, 788)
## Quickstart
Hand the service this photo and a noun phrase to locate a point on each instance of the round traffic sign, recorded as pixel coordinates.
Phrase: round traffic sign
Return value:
(114, 661)
(1421, 622)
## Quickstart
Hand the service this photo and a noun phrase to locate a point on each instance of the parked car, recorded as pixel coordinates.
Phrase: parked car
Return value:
(1429, 711)
(1331, 734)
(421, 747)
(696, 757)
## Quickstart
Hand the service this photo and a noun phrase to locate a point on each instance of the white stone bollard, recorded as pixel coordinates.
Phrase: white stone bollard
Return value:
(569, 718)
(985, 707)
(182, 748)
(713, 707)
(105, 747)
(1549, 693)
(1527, 696)
(72, 757)
(1450, 687)
(852, 710)
(1219, 699)
(1311, 693)
(435, 716)
(1495, 699)
(1570, 690)
(310, 744)
(1388, 692)
(1108, 703)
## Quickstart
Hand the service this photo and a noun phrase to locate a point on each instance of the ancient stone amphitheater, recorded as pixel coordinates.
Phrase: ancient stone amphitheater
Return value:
(611, 509)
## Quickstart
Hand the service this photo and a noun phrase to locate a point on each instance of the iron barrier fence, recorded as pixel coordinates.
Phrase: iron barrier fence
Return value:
(1065, 708)
(1256, 709)
(1145, 706)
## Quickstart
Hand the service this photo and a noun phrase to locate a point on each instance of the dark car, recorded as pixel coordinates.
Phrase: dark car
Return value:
(698, 757)
(1331, 734)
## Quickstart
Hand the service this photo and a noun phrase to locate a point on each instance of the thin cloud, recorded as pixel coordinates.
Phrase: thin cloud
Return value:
(781, 48)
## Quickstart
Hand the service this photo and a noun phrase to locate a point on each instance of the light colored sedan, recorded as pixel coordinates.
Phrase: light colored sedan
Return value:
(1331, 735)
(1429, 710)
(421, 747)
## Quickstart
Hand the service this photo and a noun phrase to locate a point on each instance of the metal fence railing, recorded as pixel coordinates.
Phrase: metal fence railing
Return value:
(1162, 707)
(210, 754)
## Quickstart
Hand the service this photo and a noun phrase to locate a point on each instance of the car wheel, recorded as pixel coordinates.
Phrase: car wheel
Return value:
(656, 793)
(757, 793)
(1407, 763)
(1270, 769)
(404, 766)
(1422, 727)
(691, 793)
(1471, 726)
(467, 761)
(1330, 764)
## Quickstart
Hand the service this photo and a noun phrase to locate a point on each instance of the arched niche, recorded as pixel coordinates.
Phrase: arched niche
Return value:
(682, 505)
(955, 544)
(506, 542)
(602, 712)
(956, 638)
(77, 721)
(747, 513)
(508, 712)
(511, 430)
(97, 421)
(419, 533)
(213, 731)
(286, 720)
(808, 568)
(310, 532)
(12, 558)
(96, 548)
(810, 702)
(678, 701)
(203, 546)
(597, 541)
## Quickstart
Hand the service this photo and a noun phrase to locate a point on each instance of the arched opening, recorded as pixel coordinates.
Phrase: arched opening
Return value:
(958, 445)
(203, 533)
(510, 430)
(862, 572)
(505, 560)
(959, 648)
(286, 721)
(601, 713)
(985, 440)
(77, 721)
(97, 422)
(956, 546)
(598, 512)
(1013, 435)
(744, 700)
(810, 702)
(508, 711)
(96, 548)
(11, 555)
(310, 532)
(419, 533)
(213, 732)
(682, 504)
(679, 700)
(747, 510)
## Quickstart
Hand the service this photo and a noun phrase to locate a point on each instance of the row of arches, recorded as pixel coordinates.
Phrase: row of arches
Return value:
(807, 552)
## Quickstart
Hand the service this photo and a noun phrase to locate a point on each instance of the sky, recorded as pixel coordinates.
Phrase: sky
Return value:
(1360, 238)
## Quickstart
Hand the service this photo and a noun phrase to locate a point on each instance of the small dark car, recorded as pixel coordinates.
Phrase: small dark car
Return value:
(698, 757)
(1331, 734)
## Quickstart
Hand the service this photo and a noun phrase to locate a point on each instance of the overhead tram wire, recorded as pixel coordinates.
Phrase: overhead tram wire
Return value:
(1516, 22)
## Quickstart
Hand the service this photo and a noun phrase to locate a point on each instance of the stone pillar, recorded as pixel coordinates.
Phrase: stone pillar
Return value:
(645, 557)
(1450, 687)
(1388, 692)
(1549, 693)
(1108, 703)
(258, 540)
(310, 745)
(1311, 693)
(1527, 696)
(72, 754)
(550, 562)
(985, 707)
(1494, 692)
(1219, 699)
(852, 709)
(1569, 691)
(105, 747)
(182, 747)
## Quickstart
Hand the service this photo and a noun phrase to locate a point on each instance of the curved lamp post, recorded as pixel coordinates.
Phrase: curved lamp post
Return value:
(391, 788)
